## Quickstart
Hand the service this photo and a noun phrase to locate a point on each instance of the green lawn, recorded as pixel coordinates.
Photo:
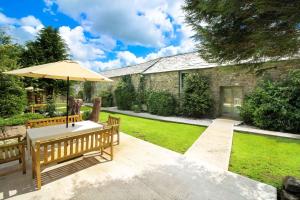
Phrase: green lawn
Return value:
(174, 136)
(60, 104)
(265, 158)
(83, 108)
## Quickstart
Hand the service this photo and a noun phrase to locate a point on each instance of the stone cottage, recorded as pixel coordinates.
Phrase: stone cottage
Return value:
(229, 83)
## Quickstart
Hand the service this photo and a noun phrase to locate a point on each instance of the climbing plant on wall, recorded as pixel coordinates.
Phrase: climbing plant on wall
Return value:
(197, 100)
(125, 93)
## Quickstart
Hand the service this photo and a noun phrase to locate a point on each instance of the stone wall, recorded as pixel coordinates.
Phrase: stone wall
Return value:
(111, 86)
(167, 81)
(241, 75)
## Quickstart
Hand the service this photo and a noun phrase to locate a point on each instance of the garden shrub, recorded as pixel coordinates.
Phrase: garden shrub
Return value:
(161, 103)
(20, 119)
(106, 99)
(12, 96)
(274, 105)
(196, 100)
(136, 108)
(86, 114)
(51, 107)
(80, 95)
(125, 93)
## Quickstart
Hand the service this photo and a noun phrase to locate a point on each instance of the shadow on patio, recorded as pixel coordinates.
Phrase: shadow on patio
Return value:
(24, 184)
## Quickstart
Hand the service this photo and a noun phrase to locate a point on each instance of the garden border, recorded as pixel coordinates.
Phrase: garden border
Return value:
(252, 130)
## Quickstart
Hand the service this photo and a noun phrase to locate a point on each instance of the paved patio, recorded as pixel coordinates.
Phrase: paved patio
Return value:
(140, 170)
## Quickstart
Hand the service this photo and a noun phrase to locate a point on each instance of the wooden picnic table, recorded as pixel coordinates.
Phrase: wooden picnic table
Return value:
(54, 144)
(59, 131)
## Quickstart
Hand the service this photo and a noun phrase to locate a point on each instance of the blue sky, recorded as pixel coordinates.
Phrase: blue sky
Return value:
(103, 34)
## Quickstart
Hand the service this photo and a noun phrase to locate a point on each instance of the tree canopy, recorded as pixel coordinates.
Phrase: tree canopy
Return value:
(12, 93)
(48, 47)
(234, 30)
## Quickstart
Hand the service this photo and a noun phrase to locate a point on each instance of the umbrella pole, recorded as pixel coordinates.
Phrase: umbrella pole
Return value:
(68, 88)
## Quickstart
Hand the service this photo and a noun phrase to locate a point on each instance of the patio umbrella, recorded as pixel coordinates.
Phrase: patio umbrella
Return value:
(63, 70)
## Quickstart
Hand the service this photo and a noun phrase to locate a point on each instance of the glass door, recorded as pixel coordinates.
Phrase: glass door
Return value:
(232, 98)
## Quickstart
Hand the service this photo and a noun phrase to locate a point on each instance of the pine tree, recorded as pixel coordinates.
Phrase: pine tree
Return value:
(48, 47)
(234, 30)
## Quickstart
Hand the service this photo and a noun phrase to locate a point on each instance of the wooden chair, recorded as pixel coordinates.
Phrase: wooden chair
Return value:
(54, 151)
(115, 122)
(11, 149)
(52, 121)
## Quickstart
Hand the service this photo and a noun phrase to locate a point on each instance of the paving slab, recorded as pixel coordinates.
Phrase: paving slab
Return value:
(214, 144)
(139, 171)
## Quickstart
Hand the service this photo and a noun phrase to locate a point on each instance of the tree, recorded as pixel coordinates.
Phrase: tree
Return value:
(12, 92)
(197, 99)
(233, 30)
(48, 47)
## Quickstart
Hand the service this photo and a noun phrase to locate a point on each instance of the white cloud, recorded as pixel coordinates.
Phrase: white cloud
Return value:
(80, 47)
(48, 8)
(130, 21)
(21, 30)
(158, 16)
(101, 66)
(123, 58)
(106, 42)
(138, 22)
(6, 20)
(128, 58)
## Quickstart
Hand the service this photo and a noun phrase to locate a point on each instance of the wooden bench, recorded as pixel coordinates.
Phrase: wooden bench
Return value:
(114, 121)
(11, 149)
(52, 121)
(62, 149)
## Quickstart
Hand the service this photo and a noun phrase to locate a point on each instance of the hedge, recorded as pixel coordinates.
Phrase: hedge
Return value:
(274, 105)
(161, 103)
(19, 119)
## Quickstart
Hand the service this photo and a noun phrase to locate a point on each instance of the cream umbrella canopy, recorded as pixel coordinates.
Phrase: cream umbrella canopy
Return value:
(63, 70)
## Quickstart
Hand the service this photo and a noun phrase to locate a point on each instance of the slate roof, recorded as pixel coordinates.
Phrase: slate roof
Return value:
(134, 69)
(165, 64)
(179, 62)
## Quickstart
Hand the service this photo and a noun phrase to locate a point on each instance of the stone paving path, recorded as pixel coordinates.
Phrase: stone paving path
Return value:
(214, 145)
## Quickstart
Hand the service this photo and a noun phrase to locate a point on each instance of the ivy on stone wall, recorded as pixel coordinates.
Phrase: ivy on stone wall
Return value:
(125, 93)
(141, 92)
(197, 100)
